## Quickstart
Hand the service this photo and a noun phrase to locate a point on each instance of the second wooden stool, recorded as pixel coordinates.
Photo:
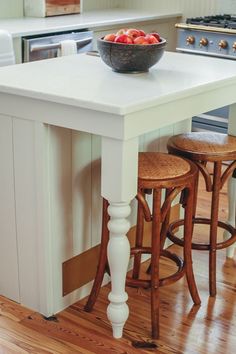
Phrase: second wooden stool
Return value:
(201, 148)
(157, 172)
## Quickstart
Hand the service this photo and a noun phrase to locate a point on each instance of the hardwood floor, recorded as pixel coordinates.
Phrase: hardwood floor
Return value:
(209, 328)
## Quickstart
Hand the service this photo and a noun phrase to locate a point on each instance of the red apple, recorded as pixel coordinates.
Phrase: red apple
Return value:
(142, 33)
(132, 32)
(151, 39)
(121, 31)
(155, 34)
(123, 38)
(110, 37)
(141, 40)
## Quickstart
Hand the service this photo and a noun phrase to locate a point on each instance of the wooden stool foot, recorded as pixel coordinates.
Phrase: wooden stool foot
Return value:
(212, 273)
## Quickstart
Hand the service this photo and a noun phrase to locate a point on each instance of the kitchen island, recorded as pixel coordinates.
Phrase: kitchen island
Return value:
(81, 93)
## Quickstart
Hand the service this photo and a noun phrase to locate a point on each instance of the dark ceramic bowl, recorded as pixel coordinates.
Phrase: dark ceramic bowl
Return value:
(128, 58)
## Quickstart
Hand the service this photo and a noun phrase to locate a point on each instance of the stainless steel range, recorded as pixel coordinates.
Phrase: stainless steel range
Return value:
(212, 36)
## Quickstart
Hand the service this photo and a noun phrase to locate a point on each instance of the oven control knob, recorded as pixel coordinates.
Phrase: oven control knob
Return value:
(203, 42)
(223, 44)
(190, 40)
(234, 46)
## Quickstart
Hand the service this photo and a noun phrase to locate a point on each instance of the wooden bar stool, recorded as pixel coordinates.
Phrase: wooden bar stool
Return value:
(157, 172)
(201, 148)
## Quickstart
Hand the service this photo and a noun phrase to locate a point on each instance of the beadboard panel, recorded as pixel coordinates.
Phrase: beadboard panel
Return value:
(9, 284)
(81, 156)
(14, 8)
(96, 199)
(98, 5)
(25, 209)
(11, 8)
(193, 8)
(227, 6)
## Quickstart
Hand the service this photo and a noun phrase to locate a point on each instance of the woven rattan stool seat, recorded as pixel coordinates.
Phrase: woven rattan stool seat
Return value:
(153, 166)
(208, 146)
(202, 148)
(157, 173)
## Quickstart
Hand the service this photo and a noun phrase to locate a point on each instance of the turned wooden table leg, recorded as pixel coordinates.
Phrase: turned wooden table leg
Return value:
(118, 253)
(119, 187)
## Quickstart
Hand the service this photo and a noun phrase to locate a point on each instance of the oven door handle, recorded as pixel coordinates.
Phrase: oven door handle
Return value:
(79, 43)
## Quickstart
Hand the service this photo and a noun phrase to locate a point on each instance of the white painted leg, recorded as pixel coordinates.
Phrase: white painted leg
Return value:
(119, 187)
(231, 185)
(231, 215)
(118, 258)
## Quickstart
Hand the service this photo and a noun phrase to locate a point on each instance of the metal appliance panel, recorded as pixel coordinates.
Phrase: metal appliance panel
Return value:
(46, 47)
(213, 36)
(212, 48)
(216, 120)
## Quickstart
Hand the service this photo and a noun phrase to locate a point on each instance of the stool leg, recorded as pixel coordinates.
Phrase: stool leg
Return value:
(188, 231)
(164, 228)
(138, 240)
(232, 212)
(213, 227)
(156, 242)
(165, 223)
(195, 195)
(102, 263)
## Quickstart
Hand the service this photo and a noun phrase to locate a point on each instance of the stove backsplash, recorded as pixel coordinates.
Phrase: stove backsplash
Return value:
(227, 6)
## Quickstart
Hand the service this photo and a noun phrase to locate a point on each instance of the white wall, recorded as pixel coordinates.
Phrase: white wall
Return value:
(187, 7)
(14, 8)
(227, 6)
(11, 8)
(101, 4)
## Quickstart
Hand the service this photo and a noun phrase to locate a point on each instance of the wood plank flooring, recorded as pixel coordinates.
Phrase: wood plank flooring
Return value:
(206, 329)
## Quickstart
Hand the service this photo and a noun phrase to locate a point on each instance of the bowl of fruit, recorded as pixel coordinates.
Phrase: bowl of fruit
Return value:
(131, 50)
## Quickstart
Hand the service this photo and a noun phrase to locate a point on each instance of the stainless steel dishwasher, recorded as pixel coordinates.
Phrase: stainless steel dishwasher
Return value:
(39, 47)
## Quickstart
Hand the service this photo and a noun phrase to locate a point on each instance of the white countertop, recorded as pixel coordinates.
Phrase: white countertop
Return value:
(85, 81)
(93, 19)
